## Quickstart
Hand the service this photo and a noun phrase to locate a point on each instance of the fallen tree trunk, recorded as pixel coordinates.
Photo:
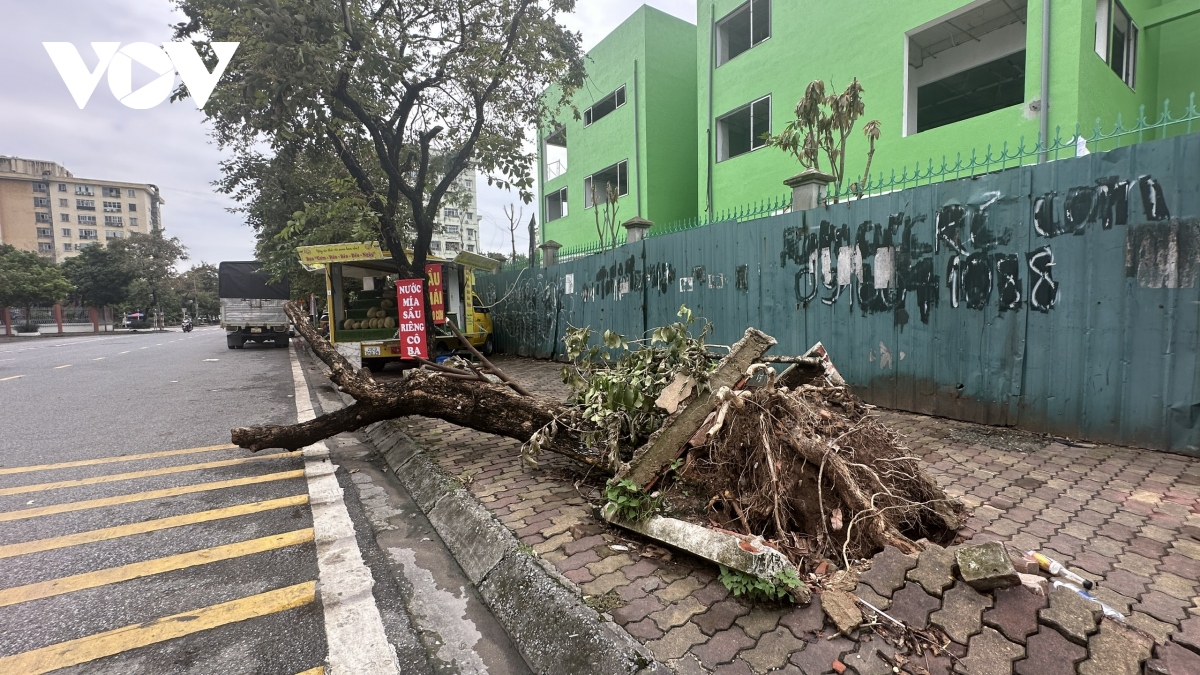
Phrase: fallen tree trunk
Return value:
(487, 407)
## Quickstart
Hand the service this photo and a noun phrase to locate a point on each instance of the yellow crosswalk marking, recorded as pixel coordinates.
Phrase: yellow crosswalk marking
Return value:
(110, 460)
(319, 670)
(40, 487)
(113, 575)
(91, 536)
(92, 647)
(144, 496)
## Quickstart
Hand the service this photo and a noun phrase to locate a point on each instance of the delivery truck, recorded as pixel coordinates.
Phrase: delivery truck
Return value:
(252, 305)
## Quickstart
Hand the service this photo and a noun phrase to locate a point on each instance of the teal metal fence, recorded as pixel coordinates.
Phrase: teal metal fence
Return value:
(741, 214)
(987, 160)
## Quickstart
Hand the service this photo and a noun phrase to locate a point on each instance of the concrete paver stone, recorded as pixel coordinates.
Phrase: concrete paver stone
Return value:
(868, 594)
(1071, 615)
(676, 642)
(887, 571)
(961, 613)
(842, 610)
(1114, 651)
(867, 660)
(818, 657)
(934, 570)
(722, 647)
(989, 654)
(720, 616)
(1049, 653)
(807, 620)
(912, 605)
(759, 621)
(1014, 613)
(772, 650)
(986, 567)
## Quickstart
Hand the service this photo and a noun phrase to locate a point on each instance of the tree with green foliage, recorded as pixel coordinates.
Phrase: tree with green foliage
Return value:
(101, 275)
(151, 259)
(197, 290)
(407, 95)
(28, 280)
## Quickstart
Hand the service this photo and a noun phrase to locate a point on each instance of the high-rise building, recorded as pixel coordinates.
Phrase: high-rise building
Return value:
(46, 209)
(456, 227)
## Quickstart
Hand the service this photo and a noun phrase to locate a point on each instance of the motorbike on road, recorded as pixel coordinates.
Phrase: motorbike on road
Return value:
(187, 326)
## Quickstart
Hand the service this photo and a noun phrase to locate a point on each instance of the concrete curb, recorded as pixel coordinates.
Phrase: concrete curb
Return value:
(541, 610)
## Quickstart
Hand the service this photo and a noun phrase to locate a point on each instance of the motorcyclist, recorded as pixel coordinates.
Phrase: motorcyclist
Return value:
(187, 325)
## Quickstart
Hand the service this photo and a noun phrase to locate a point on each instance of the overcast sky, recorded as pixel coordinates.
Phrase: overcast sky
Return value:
(169, 145)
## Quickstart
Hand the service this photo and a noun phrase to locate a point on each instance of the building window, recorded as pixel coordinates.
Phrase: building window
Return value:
(41, 202)
(435, 245)
(41, 217)
(743, 28)
(67, 247)
(89, 234)
(471, 248)
(966, 64)
(64, 217)
(556, 205)
(133, 208)
(45, 247)
(111, 192)
(133, 222)
(742, 130)
(45, 233)
(86, 220)
(451, 213)
(41, 187)
(603, 107)
(468, 216)
(597, 185)
(556, 153)
(114, 221)
(66, 232)
(453, 246)
(62, 187)
(470, 233)
(451, 229)
(1117, 39)
(130, 193)
(110, 234)
(112, 207)
(87, 190)
(85, 204)
(64, 203)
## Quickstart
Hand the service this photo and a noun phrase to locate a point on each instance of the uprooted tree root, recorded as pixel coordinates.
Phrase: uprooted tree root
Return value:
(810, 470)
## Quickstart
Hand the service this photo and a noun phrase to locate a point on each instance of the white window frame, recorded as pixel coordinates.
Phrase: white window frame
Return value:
(723, 135)
(561, 193)
(1105, 18)
(587, 183)
(722, 51)
(589, 117)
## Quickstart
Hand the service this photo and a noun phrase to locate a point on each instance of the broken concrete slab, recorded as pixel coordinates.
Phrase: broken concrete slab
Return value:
(986, 567)
(663, 445)
(842, 610)
(741, 553)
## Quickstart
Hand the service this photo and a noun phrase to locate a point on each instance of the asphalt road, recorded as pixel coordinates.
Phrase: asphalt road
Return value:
(134, 539)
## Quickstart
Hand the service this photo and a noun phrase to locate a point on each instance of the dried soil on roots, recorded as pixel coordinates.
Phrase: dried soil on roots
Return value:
(812, 471)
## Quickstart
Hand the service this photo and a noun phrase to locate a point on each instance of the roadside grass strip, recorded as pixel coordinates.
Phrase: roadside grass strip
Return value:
(92, 536)
(112, 478)
(100, 645)
(69, 507)
(110, 460)
(113, 575)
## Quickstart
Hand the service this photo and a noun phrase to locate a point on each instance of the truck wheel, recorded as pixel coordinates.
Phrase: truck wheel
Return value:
(375, 365)
(281, 343)
(489, 346)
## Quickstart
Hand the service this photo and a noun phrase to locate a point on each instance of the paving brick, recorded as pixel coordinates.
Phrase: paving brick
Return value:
(1049, 653)
(989, 654)
(759, 621)
(637, 610)
(1014, 613)
(1159, 630)
(712, 593)
(680, 589)
(805, 621)
(738, 667)
(772, 650)
(1181, 565)
(574, 562)
(1162, 606)
(676, 642)
(1071, 615)
(1126, 583)
(912, 605)
(868, 594)
(934, 570)
(961, 613)
(644, 630)
(639, 569)
(688, 665)
(887, 571)
(676, 613)
(604, 583)
(1189, 633)
(1114, 651)
(721, 616)
(1094, 562)
(1138, 564)
(722, 647)
(1148, 547)
(1178, 659)
(867, 660)
(818, 657)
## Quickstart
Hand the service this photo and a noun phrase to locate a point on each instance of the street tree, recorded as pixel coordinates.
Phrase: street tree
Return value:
(28, 280)
(151, 259)
(100, 275)
(513, 214)
(197, 290)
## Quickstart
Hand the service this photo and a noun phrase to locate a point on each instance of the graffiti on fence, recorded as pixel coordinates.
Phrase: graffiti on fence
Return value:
(529, 312)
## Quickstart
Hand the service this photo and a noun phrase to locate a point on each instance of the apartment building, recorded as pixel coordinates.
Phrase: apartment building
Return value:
(942, 76)
(45, 208)
(457, 225)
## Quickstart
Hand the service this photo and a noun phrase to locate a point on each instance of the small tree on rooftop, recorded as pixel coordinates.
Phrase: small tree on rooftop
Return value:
(823, 125)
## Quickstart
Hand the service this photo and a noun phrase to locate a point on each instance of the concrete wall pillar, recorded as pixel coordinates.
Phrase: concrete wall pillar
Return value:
(550, 253)
(808, 189)
(95, 317)
(58, 317)
(5, 317)
(636, 228)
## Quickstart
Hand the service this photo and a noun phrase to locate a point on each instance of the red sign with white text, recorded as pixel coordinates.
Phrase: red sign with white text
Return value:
(437, 302)
(410, 301)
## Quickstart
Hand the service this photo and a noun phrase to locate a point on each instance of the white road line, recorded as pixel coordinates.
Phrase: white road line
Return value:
(61, 367)
(124, 352)
(11, 377)
(98, 358)
(353, 627)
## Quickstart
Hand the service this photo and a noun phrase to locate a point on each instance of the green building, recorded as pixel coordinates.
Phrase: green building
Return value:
(943, 77)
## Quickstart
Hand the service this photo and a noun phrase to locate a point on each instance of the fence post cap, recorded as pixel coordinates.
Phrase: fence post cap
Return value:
(809, 176)
(551, 245)
(638, 223)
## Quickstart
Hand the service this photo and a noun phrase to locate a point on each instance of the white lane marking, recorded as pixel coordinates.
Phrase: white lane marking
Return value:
(61, 367)
(98, 358)
(143, 347)
(124, 352)
(212, 359)
(11, 377)
(353, 627)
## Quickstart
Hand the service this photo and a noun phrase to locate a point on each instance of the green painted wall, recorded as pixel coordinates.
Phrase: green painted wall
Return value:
(653, 131)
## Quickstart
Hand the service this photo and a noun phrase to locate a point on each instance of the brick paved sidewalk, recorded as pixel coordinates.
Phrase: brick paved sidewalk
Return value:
(1128, 519)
